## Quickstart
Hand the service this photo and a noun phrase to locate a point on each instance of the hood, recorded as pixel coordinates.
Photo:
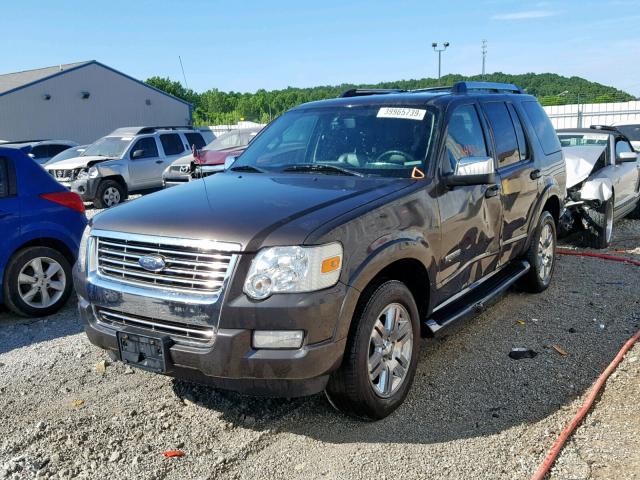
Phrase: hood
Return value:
(253, 210)
(217, 157)
(580, 162)
(74, 162)
(186, 160)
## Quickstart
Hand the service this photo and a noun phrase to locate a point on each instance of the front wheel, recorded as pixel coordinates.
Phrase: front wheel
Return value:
(381, 354)
(37, 282)
(541, 256)
(600, 225)
(109, 194)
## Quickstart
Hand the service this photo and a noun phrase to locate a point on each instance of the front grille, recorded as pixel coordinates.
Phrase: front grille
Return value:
(192, 269)
(63, 175)
(179, 332)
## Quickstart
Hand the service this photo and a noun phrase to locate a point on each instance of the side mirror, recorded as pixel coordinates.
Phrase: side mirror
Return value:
(627, 157)
(472, 171)
(229, 161)
(137, 154)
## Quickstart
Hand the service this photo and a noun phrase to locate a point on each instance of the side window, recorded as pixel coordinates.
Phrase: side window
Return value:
(171, 144)
(622, 146)
(4, 177)
(148, 146)
(465, 137)
(543, 127)
(55, 149)
(522, 138)
(40, 151)
(504, 133)
(195, 139)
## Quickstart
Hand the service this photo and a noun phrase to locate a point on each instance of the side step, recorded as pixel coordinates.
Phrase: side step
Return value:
(478, 298)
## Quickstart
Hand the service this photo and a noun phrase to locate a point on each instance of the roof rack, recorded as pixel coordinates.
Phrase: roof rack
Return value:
(141, 130)
(494, 87)
(363, 92)
(608, 128)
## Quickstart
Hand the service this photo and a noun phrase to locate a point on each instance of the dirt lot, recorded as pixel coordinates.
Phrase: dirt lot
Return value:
(472, 412)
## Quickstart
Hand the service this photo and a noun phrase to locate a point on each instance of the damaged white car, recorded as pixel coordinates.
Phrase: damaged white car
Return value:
(603, 182)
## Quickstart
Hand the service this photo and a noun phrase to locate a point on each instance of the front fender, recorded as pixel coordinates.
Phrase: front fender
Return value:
(597, 189)
(551, 189)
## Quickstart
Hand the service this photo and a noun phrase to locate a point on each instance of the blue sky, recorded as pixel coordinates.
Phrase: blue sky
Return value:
(247, 45)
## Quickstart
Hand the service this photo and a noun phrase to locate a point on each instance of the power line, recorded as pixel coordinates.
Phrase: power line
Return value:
(183, 75)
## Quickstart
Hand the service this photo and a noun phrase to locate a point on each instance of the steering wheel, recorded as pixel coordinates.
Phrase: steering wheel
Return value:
(390, 153)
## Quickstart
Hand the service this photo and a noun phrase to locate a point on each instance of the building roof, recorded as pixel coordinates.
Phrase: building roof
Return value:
(10, 82)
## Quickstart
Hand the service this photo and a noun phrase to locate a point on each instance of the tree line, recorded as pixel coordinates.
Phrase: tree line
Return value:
(214, 107)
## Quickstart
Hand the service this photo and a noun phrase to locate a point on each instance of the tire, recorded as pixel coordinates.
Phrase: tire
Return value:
(109, 194)
(22, 277)
(635, 213)
(599, 229)
(352, 389)
(541, 256)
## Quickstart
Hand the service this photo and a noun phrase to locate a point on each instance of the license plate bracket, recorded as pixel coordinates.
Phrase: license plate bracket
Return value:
(143, 351)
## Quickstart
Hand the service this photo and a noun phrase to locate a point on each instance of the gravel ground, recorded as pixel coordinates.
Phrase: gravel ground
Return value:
(472, 411)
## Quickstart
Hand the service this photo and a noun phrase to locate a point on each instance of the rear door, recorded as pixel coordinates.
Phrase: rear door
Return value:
(470, 215)
(517, 173)
(143, 168)
(9, 208)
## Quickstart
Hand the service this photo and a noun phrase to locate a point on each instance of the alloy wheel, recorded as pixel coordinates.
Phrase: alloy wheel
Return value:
(41, 282)
(111, 197)
(546, 250)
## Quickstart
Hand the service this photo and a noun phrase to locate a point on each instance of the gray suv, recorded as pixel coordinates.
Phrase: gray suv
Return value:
(347, 230)
(129, 159)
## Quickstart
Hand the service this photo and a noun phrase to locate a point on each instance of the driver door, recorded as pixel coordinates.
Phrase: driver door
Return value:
(470, 215)
(143, 166)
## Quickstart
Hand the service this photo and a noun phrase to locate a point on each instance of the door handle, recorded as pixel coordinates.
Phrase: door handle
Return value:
(491, 191)
(159, 161)
(535, 174)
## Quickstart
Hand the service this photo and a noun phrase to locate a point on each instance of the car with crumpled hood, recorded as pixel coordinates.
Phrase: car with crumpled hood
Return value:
(603, 182)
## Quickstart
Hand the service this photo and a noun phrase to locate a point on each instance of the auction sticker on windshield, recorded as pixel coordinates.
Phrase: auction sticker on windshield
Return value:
(399, 112)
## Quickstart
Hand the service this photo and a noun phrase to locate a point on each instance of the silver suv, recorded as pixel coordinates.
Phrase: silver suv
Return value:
(129, 159)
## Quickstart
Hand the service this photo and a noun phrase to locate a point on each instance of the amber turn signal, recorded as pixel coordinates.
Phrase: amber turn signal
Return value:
(330, 264)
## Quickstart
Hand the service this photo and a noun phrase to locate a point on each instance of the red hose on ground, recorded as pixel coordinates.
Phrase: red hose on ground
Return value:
(588, 403)
(584, 409)
(604, 256)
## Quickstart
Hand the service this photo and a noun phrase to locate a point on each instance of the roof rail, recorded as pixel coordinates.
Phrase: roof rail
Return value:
(494, 87)
(162, 127)
(607, 128)
(362, 92)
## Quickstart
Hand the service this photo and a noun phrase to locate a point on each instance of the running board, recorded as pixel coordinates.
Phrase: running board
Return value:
(477, 299)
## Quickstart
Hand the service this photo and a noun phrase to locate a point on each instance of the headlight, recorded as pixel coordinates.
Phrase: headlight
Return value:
(293, 269)
(84, 173)
(84, 245)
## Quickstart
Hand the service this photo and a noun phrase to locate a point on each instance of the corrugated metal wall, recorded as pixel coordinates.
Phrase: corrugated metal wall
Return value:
(114, 101)
(585, 115)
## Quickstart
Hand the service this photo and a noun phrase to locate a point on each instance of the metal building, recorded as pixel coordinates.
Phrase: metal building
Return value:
(82, 102)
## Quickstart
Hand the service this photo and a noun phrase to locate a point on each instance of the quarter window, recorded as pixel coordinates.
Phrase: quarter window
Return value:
(543, 127)
(195, 139)
(148, 146)
(4, 177)
(464, 137)
(171, 144)
(504, 133)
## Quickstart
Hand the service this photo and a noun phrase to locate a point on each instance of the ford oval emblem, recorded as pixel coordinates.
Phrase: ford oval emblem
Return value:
(152, 263)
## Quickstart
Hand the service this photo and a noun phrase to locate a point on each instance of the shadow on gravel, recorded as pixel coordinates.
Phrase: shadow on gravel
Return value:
(17, 332)
(466, 385)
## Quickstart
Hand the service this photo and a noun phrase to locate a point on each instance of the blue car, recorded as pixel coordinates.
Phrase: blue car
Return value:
(41, 225)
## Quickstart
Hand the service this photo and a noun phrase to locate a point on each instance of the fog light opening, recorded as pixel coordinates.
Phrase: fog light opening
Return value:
(277, 339)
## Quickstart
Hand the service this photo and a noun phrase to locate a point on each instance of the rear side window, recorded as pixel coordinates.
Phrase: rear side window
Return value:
(4, 177)
(542, 126)
(195, 139)
(55, 149)
(504, 133)
(522, 137)
(464, 137)
(171, 144)
(40, 151)
(148, 147)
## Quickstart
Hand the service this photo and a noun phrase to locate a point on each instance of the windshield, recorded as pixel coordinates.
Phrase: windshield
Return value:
(583, 139)
(632, 132)
(369, 140)
(108, 147)
(230, 140)
(68, 153)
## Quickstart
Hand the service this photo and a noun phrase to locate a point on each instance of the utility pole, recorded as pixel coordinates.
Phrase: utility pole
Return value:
(439, 50)
(484, 58)
(183, 75)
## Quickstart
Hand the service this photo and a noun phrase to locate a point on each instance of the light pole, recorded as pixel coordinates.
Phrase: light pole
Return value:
(439, 50)
(580, 113)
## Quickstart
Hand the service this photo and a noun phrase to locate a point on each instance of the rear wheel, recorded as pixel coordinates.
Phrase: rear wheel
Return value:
(109, 194)
(381, 354)
(599, 225)
(37, 282)
(541, 256)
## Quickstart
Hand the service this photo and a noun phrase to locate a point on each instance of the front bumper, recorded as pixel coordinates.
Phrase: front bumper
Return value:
(86, 188)
(230, 361)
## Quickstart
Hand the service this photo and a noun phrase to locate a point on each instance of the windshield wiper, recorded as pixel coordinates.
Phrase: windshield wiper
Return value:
(319, 168)
(246, 168)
